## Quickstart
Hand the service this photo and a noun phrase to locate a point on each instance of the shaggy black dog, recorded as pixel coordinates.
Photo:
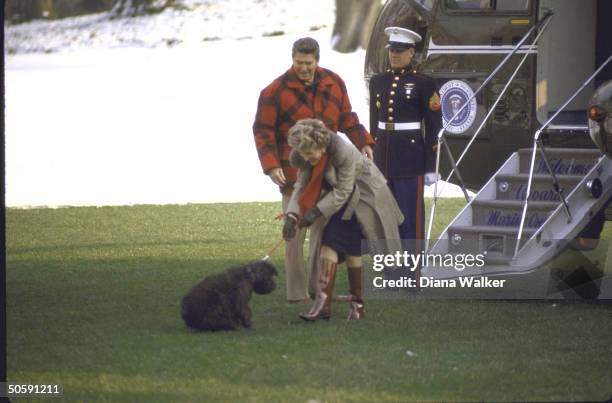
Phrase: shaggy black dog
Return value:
(220, 301)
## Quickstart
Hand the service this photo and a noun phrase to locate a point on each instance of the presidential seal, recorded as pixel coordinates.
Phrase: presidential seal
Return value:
(454, 95)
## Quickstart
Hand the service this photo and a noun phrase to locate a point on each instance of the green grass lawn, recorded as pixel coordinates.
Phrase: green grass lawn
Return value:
(93, 299)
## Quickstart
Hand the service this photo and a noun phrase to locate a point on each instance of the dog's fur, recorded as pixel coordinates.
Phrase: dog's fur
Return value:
(220, 301)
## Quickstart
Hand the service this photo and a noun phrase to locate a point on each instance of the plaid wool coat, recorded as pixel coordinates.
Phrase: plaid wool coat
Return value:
(287, 100)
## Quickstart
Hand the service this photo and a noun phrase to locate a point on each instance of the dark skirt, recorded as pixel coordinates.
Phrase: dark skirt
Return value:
(343, 236)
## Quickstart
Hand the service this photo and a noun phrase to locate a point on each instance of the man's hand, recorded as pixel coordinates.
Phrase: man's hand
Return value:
(430, 178)
(277, 176)
(367, 150)
(309, 217)
(289, 227)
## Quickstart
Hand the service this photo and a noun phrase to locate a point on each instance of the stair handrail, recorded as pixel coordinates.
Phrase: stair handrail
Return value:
(440, 135)
(494, 105)
(537, 143)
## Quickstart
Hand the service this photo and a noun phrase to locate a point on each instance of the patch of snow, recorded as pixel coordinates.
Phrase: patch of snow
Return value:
(99, 124)
(195, 21)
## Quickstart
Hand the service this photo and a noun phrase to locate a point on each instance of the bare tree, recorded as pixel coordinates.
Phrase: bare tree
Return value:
(355, 20)
(130, 8)
(25, 10)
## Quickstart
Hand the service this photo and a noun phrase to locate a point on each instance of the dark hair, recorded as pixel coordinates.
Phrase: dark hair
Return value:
(306, 45)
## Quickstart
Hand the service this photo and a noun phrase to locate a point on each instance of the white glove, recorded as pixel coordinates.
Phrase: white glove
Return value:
(430, 178)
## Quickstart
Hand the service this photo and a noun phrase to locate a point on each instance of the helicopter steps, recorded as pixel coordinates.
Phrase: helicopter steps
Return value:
(488, 226)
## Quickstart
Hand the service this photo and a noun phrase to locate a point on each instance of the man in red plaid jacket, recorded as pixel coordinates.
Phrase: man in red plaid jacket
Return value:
(304, 91)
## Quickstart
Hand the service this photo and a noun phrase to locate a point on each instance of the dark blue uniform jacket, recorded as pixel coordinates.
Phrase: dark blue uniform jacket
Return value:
(404, 97)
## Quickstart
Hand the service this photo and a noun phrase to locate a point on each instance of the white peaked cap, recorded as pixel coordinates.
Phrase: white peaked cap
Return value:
(399, 37)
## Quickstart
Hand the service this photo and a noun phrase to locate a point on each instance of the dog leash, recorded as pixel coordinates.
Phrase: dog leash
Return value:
(271, 251)
(279, 217)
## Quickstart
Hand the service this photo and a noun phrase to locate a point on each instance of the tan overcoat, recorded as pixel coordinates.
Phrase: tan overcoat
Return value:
(357, 181)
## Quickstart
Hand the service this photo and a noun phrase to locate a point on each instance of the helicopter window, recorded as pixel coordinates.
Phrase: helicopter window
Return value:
(427, 4)
(511, 5)
(469, 4)
(494, 5)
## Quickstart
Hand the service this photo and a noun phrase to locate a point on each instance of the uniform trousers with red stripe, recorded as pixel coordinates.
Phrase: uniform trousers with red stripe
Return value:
(408, 193)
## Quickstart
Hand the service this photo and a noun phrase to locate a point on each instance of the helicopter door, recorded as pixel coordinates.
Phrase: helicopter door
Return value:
(566, 57)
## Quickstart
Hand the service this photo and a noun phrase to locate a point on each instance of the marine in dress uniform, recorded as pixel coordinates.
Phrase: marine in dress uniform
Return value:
(405, 117)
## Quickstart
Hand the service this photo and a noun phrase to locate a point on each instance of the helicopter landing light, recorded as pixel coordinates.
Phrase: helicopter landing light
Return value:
(456, 239)
(597, 113)
(595, 188)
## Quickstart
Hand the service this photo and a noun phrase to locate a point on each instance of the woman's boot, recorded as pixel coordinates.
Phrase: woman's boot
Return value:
(355, 276)
(321, 309)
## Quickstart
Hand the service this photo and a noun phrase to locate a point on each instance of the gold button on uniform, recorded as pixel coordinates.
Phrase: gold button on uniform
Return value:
(390, 102)
(412, 141)
(394, 85)
(396, 78)
(392, 93)
(390, 110)
(390, 118)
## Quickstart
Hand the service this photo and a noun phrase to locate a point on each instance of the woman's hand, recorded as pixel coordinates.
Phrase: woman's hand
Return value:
(289, 227)
(310, 216)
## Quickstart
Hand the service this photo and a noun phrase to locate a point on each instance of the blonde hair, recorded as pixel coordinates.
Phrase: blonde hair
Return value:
(309, 134)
